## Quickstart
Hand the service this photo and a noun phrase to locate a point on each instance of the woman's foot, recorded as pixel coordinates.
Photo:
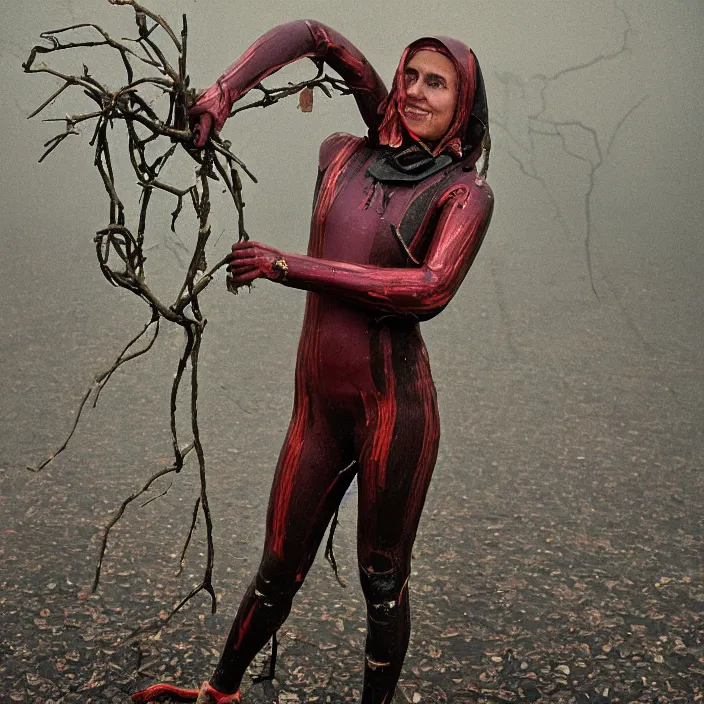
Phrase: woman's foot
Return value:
(207, 694)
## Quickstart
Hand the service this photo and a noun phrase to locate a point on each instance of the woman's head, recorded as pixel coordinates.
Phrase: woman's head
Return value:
(431, 86)
(437, 98)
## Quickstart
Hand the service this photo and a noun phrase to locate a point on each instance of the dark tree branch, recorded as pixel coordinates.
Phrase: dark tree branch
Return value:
(194, 520)
(119, 252)
(99, 382)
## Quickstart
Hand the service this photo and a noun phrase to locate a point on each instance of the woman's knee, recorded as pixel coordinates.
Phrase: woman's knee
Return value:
(384, 589)
(277, 582)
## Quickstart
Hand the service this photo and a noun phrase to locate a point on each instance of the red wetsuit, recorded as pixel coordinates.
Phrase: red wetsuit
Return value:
(383, 254)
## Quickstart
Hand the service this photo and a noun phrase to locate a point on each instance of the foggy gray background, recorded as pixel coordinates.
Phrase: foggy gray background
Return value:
(556, 403)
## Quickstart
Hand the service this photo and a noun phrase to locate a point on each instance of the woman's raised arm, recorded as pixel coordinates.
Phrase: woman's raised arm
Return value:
(277, 48)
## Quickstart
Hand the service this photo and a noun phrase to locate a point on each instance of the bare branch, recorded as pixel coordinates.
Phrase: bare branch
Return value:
(120, 512)
(49, 100)
(68, 438)
(157, 18)
(273, 95)
(98, 383)
(120, 254)
(194, 520)
(103, 379)
(207, 582)
(54, 142)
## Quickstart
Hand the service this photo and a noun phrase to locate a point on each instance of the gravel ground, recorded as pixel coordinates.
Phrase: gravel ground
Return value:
(559, 556)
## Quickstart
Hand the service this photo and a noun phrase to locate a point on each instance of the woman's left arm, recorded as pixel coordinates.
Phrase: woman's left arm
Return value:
(423, 291)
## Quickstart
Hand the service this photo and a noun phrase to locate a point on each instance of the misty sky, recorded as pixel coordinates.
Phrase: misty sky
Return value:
(596, 120)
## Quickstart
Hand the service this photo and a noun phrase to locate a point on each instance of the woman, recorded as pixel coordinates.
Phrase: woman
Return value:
(398, 219)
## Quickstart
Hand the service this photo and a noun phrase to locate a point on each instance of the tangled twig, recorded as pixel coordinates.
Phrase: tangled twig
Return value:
(120, 253)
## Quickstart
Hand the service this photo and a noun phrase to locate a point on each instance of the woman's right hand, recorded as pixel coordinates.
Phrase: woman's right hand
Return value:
(208, 113)
(201, 126)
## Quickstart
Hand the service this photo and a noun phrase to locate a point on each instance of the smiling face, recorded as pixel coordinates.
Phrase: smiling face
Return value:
(431, 95)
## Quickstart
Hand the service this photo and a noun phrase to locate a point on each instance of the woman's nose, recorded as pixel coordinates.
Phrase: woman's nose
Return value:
(414, 90)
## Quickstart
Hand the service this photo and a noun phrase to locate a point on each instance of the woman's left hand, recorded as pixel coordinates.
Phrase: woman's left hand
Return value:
(253, 260)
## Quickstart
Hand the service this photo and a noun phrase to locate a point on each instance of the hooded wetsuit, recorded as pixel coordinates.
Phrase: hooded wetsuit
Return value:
(394, 232)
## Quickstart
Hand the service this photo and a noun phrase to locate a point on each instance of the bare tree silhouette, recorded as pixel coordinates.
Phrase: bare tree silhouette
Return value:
(120, 250)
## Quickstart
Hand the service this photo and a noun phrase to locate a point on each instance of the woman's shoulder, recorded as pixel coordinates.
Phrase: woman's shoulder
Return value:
(467, 185)
(336, 143)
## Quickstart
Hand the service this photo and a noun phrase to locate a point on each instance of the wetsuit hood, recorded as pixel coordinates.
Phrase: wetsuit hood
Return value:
(462, 141)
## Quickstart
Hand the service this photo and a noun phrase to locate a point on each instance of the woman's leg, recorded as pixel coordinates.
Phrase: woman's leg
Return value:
(313, 472)
(395, 469)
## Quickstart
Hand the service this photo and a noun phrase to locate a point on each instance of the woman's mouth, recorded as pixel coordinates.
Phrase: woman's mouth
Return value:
(415, 114)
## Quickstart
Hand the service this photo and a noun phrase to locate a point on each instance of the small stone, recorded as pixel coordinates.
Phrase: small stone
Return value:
(563, 669)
